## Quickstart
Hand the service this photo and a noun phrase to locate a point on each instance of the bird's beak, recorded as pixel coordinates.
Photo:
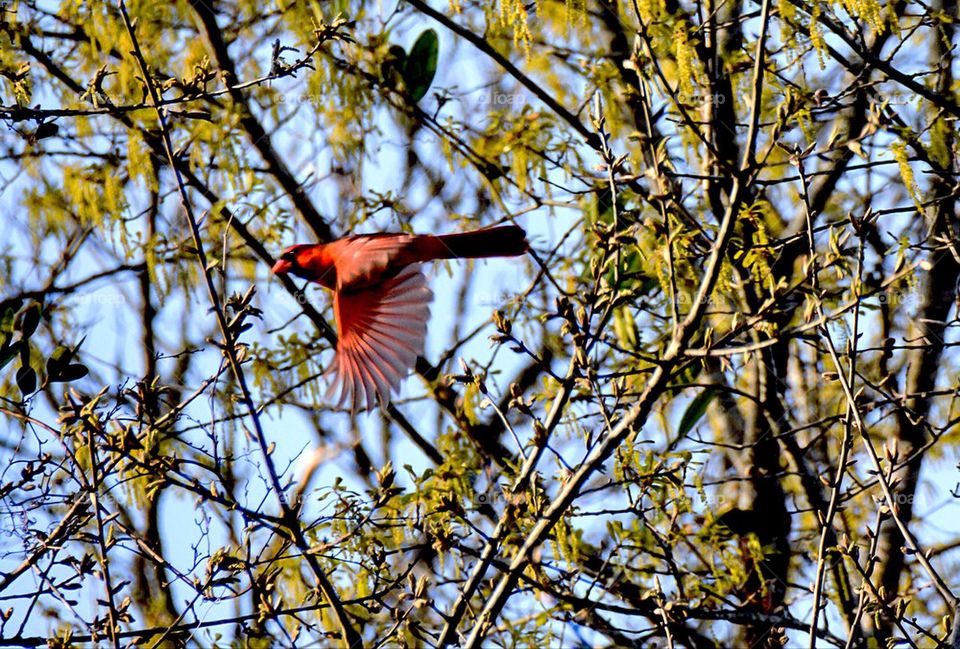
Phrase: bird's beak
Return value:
(282, 267)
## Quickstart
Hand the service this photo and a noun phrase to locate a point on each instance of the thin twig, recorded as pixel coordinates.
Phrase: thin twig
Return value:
(350, 635)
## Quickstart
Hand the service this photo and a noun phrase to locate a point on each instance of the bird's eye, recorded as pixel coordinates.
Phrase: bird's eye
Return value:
(289, 255)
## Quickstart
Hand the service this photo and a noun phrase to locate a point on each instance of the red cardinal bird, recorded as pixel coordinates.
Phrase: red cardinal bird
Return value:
(381, 300)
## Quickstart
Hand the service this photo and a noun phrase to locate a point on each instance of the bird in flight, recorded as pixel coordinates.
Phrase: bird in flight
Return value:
(381, 300)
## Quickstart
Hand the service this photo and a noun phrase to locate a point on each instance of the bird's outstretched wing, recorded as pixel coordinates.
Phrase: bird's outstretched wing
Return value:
(363, 260)
(382, 330)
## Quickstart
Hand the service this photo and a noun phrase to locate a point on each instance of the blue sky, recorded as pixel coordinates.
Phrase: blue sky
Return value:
(112, 329)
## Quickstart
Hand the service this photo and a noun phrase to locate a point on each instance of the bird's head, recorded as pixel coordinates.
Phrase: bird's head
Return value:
(292, 261)
(309, 261)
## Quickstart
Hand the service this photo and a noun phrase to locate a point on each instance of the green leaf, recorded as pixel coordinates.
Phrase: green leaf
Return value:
(30, 319)
(625, 328)
(8, 318)
(421, 65)
(602, 206)
(45, 130)
(73, 372)
(7, 354)
(26, 380)
(60, 357)
(696, 410)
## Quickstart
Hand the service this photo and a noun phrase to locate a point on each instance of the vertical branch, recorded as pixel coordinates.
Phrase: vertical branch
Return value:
(102, 541)
(827, 535)
(289, 515)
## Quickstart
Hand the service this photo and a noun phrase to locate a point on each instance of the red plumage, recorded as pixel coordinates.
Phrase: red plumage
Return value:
(382, 301)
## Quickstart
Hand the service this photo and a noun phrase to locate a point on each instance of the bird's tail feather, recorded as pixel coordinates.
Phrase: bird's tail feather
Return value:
(502, 241)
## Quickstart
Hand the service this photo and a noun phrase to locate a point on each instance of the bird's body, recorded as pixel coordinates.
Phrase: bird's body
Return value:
(382, 301)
